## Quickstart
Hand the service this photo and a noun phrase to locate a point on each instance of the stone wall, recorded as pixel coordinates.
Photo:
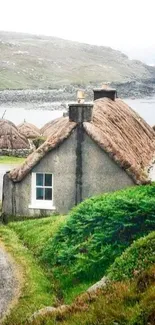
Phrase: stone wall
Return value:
(15, 152)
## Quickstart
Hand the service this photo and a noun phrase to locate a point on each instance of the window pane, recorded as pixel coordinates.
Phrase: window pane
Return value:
(48, 180)
(39, 179)
(39, 193)
(48, 194)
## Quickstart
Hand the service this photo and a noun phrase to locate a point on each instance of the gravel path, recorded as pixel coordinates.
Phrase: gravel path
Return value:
(8, 283)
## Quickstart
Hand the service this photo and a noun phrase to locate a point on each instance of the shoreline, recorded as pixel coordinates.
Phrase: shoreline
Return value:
(136, 89)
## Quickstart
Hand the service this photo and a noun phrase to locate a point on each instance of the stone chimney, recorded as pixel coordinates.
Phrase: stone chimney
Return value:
(105, 92)
(80, 112)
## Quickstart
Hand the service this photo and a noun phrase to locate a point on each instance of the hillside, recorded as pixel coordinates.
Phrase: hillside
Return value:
(28, 61)
(61, 256)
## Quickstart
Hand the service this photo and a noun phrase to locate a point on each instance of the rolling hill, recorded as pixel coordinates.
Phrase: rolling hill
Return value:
(31, 61)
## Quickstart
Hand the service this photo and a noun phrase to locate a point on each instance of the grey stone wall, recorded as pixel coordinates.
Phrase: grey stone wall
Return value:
(100, 173)
(62, 163)
(80, 170)
(22, 153)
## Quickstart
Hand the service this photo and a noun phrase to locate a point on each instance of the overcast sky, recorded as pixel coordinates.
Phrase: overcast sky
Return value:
(120, 24)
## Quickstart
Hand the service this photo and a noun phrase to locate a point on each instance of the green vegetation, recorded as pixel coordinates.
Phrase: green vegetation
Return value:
(139, 256)
(121, 303)
(39, 141)
(37, 291)
(65, 254)
(97, 231)
(11, 160)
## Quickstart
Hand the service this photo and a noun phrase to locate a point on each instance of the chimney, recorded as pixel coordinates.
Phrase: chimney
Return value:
(80, 112)
(105, 91)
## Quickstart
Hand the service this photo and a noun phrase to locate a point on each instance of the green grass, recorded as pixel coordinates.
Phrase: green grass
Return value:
(35, 233)
(136, 258)
(39, 287)
(11, 160)
(37, 291)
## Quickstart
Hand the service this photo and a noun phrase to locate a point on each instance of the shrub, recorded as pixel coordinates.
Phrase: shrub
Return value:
(136, 258)
(39, 141)
(98, 230)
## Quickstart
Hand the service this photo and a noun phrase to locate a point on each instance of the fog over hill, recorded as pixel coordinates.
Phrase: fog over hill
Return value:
(145, 54)
(31, 61)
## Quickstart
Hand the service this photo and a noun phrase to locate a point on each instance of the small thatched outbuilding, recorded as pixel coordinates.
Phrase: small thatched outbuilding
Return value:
(10, 137)
(48, 128)
(100, 147)
(29, 130)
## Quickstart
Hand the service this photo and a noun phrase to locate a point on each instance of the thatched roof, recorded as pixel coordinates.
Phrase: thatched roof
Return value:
(48, 127)
(10, 137)
(116, 128)
(29, 130)
(153, 127)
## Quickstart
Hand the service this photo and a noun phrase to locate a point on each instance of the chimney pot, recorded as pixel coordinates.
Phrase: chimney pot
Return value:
(80, 96)
(80, 112)
(103, 92)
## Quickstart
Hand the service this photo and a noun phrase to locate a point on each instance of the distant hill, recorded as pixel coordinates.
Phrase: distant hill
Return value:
(145, 54)
(29, 61)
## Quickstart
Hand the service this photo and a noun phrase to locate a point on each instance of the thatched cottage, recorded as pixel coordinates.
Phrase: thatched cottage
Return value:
(99, 148)
(10, 137)
(47, 128)
(29, 130)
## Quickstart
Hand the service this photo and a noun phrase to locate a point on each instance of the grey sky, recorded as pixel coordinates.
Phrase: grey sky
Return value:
(120, 24)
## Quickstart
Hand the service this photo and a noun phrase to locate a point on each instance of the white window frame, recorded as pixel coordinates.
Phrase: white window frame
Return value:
(40, 204)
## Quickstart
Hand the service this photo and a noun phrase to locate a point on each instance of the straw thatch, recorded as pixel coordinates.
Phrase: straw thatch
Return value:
(153, 127)
(29, 130)
(116, 128)
(10, 137)
(61, 131)
(46, 130)
(126, 137)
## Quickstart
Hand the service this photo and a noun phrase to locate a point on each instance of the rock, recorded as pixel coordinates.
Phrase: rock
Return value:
(49, 310)
(98, 285)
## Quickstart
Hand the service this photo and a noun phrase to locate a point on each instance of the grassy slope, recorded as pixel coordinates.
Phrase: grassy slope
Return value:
(37, 290)
(91, 237)
(35, 234)
(11, 160)
(29, 61)
(121, 303)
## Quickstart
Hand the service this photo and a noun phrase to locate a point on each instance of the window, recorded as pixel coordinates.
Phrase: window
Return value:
(42, 191)
(43, 186)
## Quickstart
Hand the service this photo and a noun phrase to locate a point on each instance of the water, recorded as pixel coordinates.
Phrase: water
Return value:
(39, 114)
(144, 107)
(32, 113)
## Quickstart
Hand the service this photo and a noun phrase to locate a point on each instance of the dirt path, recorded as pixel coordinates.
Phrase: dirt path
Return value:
(8, 282)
